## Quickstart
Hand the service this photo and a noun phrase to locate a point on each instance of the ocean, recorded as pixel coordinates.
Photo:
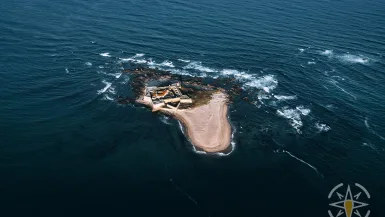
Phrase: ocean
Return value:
(68, 148)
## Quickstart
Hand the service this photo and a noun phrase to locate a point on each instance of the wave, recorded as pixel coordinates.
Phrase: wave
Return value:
(104, 89)
(347, 58)
(67, 71)
(283, 98)
(165, 63)
(322, 127)
(88, 64)
(165, 120)
(185, 61)
(198, 66)
(301, 50)
(237, 74)
(327, 52)
(106, 97)
(350, 58)
(294, 116)
(105, 54)
(311, 63)
(266, 82)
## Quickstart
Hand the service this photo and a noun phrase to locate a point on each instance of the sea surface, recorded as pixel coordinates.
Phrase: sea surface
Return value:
(67, 148)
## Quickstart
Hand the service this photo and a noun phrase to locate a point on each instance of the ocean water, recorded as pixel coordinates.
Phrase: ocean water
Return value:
(68, 149)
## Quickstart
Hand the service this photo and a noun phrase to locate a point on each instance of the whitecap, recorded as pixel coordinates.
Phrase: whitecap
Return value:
(267, 81)
(283, 98)
(322, 127)
(105, 54)
(104, 89)
(88, 64)
(185, 61)
(67, 71)
(198, 66)
(106, 97)
(350, 58)
(327, 52)
(294, 116)
(301, 50)
(237, 74)
(311, 63)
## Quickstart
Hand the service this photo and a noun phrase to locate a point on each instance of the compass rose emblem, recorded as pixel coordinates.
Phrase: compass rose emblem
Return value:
(348, 202)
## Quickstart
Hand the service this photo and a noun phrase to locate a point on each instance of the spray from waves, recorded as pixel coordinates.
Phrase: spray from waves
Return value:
(104, 89)
(322, 127)
(342, 89)
(198, 66)
(105, 54)
(366, 121)
(294, 116)
(302, 161)
(283, 98)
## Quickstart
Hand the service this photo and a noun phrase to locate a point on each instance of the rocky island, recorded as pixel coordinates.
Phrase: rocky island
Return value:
(200, 105)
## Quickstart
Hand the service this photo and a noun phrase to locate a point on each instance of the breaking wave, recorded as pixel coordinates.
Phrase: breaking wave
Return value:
(294, 116)
(198, 66)
(322, 127)
(327, 52)
(283, 98)
(266, 82)
(88, 64)
(366, 121)
(104, 89)
(105, 54)
(350, 58)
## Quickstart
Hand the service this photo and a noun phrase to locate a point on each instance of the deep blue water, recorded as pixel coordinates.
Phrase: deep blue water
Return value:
(68, 149)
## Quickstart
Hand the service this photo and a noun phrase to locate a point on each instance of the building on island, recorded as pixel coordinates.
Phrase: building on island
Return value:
(166, 96)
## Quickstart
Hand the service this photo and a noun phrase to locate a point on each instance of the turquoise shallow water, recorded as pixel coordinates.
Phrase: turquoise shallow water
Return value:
(67, 148)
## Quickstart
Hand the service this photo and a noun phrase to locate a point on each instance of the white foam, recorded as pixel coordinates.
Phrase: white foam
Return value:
(237, 74)
(106, 97)
(301, 50)
(111, 90)
(198, 66)
(267, 81)
(165, 63)
(101, 67)
(311, 63)
(104, 89)
(322, 127)
(105, 54)
(283, 98)
(304, 111)
(138, 55)
(185, 61)
(294, 116)
(67, 71)
(302, 161)
(350, 58)
(88, 64)
(327, 52)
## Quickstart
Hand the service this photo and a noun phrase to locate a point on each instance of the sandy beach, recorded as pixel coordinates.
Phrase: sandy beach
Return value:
(207, 126)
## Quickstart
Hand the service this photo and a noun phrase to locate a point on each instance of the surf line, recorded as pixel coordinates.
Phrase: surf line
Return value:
(180, 190)
(302, 161)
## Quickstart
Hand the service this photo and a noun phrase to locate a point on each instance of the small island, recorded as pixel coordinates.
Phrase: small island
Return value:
(201, 106)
